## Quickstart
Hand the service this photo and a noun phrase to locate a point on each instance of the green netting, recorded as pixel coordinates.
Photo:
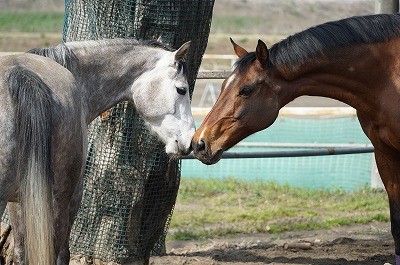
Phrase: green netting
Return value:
(346, 172)
(130, 185)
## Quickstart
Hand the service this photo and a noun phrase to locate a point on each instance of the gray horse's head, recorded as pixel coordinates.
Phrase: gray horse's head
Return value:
(161, 95)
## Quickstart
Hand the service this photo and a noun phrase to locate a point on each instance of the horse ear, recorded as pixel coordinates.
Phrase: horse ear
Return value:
(262, 53)
(238, 50)
(180, 54)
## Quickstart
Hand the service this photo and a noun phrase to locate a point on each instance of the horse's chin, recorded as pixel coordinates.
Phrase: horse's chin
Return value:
(210, 159)
(173, 149)
(177, 141)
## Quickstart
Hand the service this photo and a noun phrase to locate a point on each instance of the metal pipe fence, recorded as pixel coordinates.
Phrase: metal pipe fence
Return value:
(294, 153)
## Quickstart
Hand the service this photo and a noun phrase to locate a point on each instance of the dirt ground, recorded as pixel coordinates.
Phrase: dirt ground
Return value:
(369, 244)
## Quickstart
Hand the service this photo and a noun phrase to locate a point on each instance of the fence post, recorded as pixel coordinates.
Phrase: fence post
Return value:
(376, 181)
(386, 6)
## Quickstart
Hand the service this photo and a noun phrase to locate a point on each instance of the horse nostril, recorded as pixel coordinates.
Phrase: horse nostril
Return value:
(201, 145)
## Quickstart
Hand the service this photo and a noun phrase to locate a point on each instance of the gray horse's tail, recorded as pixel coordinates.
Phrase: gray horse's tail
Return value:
(32, 102)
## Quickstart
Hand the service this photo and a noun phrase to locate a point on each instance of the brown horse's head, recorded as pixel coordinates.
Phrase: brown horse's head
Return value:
(248, 103)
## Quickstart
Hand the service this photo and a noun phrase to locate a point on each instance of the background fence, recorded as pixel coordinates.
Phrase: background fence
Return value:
(302, 132)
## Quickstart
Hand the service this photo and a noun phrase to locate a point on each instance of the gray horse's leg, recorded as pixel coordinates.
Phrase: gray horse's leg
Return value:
(64, 256)
(62, 233)
(3, 205)
(8, 191)
(14, 212)
(62, 229)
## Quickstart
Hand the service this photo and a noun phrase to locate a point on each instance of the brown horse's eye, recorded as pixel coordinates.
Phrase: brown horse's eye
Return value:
(247, 90)
(181, 90)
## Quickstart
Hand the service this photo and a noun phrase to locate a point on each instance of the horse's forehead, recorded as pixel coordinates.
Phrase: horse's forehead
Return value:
(168, 67)
(254, 74)
(238, 78)
(230, 79)
(166, 58)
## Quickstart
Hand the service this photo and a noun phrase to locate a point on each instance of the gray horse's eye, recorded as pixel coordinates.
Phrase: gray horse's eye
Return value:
(181, 90)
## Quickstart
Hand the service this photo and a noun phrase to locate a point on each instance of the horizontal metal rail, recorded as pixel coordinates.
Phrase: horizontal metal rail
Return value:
(213, 74)
(220, 57)
(294, 153)
(299, 145)
(306, 112)
(8, 53)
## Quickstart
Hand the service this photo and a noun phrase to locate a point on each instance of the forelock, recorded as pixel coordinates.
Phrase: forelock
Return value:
(244, 62)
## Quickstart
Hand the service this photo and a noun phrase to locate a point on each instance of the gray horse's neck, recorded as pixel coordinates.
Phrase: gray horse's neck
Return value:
(105, 70)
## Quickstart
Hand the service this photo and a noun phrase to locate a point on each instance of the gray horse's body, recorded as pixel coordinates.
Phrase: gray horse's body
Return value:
(68, 132)
(45, 107)
(63, 93)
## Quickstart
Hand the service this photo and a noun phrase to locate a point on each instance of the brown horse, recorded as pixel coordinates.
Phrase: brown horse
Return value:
(355, 60)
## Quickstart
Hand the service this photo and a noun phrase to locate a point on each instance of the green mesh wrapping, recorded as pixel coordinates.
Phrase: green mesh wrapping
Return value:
(130, 184)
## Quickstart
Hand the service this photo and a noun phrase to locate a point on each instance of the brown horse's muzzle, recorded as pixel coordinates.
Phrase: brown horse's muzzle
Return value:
(202, 152)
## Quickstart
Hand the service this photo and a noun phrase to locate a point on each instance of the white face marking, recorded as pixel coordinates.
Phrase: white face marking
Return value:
(229, 80)
(202, 133)
(351, 69)
(167, 112)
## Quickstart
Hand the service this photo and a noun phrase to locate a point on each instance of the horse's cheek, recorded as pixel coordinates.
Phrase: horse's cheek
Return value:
(140, 101)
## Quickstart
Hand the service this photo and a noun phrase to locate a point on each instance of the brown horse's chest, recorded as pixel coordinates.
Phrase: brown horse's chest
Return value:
(382, 136)
(389, 137)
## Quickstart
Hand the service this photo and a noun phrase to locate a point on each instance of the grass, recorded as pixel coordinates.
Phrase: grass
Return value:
(236, 24)
(31, 21)
(215, 208)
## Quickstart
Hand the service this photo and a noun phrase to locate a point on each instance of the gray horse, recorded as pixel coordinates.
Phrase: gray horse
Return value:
(45, 108)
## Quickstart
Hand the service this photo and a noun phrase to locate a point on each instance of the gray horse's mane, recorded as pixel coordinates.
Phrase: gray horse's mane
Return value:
(60, 54)
(63, 53)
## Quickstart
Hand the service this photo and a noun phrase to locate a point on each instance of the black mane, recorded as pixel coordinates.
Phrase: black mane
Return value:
(322, 39)
(64, 56)
(155, 43)
(60, 54)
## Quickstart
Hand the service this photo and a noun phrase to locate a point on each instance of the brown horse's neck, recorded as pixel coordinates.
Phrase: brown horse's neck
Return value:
(357, 77)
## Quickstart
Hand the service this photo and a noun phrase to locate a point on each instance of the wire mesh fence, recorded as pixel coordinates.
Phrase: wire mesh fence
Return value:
(285, 153)
(130, 184)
